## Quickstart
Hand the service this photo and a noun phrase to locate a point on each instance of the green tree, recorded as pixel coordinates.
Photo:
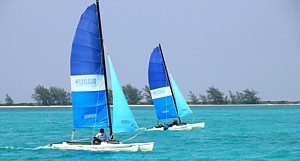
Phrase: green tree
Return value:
(240, 97)
(249, 97)
(215, 96)
(147, 94)
(193, 98)
(51, 96)
(8, 100)
(42, 95)
(59, 96)
(132, 94)
(203, 99)
(233, 98)
(245, 97)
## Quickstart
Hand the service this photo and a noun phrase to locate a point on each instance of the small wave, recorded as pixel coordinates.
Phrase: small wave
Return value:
(7, 147)
(22, 148)
(42, 147)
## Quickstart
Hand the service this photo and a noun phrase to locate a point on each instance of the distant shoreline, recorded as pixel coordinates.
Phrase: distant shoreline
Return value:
(62, 106)
(69, 106)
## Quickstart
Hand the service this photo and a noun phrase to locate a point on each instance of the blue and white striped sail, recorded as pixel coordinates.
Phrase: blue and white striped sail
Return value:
(160, 88)
(183, 108)
(87, 74)
(123, 119)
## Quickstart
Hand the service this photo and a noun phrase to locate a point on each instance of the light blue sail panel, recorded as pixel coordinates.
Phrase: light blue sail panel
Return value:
(160, 88)
(87, 80)
(182, 107)
(123, 119)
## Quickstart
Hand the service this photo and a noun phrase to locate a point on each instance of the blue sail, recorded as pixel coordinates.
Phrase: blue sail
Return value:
(182, 107)
(160, 88)
(87, 74)
(123, 119)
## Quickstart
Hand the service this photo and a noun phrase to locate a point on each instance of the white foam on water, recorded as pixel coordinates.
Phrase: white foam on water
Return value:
(23, 148)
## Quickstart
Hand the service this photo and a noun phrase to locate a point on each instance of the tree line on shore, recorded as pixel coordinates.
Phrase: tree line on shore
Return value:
(59, 96)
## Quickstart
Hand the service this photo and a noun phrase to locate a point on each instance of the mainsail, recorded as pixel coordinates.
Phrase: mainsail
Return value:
(160, 87)
(87, 74)
(123, 119)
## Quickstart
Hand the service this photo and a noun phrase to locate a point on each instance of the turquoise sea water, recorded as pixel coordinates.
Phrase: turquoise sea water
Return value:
(231, 133)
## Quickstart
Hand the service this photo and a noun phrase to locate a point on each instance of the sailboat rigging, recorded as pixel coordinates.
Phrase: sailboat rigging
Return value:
(164, 63)
(167, 98)
(90, 104)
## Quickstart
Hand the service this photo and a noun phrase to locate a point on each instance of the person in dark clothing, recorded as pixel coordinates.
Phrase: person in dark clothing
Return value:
(175, 122)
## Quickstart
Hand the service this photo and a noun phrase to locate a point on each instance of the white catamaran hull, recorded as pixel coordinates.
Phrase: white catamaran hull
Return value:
(180, 127)
(156, 129)
(143, 147)
(197, 125)
(134, 147)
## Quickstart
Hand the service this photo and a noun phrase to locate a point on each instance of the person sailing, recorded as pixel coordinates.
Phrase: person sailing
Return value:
(165, 126)
(100, 137)
(175, 122)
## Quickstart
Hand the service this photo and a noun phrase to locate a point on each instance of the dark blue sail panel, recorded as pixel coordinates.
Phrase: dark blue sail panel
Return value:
(160, 88)
(86, 55)
(87, 80)
(156, 71)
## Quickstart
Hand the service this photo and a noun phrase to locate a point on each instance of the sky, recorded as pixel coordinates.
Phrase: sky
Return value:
(231, 45)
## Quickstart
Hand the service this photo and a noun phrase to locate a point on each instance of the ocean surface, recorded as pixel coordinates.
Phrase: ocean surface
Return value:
(231, 133)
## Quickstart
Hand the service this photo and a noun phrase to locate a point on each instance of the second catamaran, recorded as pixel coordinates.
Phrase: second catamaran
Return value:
(168, 101)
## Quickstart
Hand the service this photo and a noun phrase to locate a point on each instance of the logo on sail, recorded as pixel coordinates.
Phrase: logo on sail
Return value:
(165, 111)
(125, 121)
(87, 116)
(86, 81)
(161, 92)
(81, 83)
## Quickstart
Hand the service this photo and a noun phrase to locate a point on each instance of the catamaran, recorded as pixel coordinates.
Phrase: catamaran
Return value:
(168, 101)
(90, 104)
